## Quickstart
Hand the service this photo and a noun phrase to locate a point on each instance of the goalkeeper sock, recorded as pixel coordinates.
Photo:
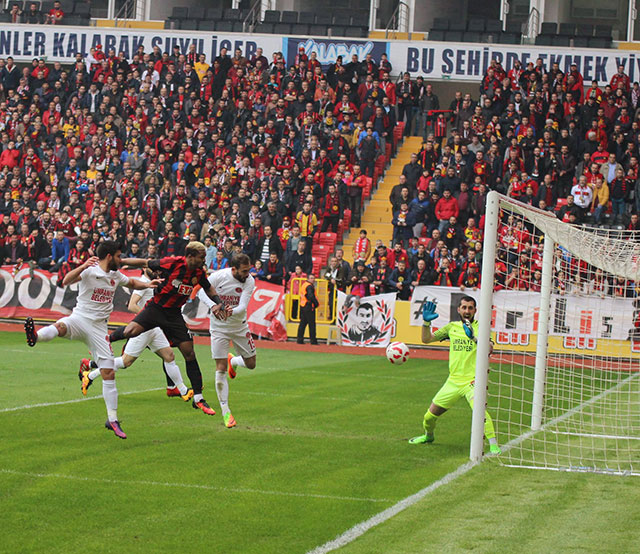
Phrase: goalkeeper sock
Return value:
(47, 333)
(489, 431)
(429, 422)
(222, 388)
(238, 361)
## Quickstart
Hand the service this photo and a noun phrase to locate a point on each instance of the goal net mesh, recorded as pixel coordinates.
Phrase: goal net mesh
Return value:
(589, 414)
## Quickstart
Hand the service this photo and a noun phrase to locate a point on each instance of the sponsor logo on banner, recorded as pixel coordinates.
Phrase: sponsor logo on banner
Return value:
(366, 321)
(328, 50)
(515, 315)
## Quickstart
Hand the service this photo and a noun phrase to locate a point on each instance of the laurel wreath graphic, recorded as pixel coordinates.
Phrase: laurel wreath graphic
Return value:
(382, 308)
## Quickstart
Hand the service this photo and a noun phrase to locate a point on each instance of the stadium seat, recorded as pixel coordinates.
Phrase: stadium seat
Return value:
(179, 12)
(478, 25)
(543, 40)
(548, 28)
(355, 32)
(214, 14)
(457, 26)
(271, 16)
(603, 31)
(580, 42)
(471, 36)
(360, 20)
(453, 36)
(196, 12)
(289, 16)
(67, 6)
(599, 42)
(306, 17)
(338, 31)
(567, 29)
(584, 30)
(168, 23)
(189, 24)
(224, 26)
(282, 28)
(493, 26)
(318, 30)
(82, 8)
(440, 24)
(299, 29)
(323, 19)
(232, 14)
(264, 28)
(560, 40)
(207, 25)
(509, 38)
(238, 26)
(436, 34)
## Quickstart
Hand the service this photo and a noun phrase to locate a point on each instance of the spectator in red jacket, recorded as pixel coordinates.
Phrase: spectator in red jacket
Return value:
(446, 207)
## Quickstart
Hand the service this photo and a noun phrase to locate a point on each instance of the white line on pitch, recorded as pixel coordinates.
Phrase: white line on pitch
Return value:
(361, 528)
(73, 401)
(191, 486)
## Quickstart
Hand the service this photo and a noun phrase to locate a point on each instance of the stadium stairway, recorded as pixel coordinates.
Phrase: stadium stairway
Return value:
(377, 215)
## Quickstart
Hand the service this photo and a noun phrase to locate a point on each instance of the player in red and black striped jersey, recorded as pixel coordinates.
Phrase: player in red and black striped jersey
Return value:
(179, 275)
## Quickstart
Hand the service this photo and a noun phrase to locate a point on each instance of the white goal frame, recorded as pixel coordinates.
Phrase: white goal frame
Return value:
(599, 251)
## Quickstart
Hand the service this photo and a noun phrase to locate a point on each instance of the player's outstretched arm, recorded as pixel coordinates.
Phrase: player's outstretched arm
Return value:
(136, 284)
(428, 315)
(75, 274)
(134, 262)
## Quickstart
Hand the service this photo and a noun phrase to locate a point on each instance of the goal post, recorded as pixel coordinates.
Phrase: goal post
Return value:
(562, 383)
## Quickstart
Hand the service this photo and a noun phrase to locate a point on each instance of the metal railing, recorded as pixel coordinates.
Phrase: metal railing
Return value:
(253, 17)
(531, 26)
(398, 22)
(126, 11)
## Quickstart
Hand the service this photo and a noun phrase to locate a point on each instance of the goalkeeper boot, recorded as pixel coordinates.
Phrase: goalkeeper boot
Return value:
(188, 395)
(230, 369)
(30, 331)
(494, 449)
(173, 391)
(422, 439)
(86, 382)
(202, 405)
(229, 420)
(115, 427)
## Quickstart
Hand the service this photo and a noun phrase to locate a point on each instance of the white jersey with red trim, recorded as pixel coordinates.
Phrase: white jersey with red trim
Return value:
(234, 294)
(96, 290)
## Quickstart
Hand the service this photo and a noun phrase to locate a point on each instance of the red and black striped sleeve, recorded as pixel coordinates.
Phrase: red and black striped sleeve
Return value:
(163, 264)
(204, 282)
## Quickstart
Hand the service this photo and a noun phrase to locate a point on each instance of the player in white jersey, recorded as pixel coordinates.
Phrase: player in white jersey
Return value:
(234, 286)
(98, 279)
(155, 339)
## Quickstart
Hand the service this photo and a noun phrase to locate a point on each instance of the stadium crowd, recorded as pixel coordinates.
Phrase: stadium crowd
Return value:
(261, 156)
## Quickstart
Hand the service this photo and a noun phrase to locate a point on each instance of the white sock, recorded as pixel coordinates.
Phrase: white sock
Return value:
(47, 333)
(118, 363)
(173, 371)
(222, 388)
(94, 374)
(238, 361)
(197, 397)
(110, 395)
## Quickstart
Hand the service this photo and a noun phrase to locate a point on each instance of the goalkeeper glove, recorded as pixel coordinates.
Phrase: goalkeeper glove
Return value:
(466, 325)
(429, 312)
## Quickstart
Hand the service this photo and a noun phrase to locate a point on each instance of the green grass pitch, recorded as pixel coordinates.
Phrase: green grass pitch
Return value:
(320, 446)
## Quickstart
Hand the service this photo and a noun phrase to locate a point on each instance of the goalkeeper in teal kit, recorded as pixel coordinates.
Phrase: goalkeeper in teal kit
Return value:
(462, 368)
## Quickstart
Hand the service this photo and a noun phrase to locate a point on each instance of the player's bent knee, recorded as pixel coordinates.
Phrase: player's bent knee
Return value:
(133, 330)
(61, 327)
(167, 355)
(250, 362)
(107, 374)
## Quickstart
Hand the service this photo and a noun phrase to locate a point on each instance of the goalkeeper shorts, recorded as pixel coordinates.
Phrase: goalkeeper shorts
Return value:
(450, 393)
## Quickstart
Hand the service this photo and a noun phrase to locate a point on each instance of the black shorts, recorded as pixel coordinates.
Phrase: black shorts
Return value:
(170, 320)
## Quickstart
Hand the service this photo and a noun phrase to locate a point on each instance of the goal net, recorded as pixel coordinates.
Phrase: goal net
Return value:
(563, 383)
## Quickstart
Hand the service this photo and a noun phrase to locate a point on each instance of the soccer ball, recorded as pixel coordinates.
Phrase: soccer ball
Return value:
(397, 353)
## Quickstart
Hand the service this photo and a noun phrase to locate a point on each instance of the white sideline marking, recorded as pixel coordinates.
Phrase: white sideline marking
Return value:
(361, 528)
(74, 401)
(191, 486)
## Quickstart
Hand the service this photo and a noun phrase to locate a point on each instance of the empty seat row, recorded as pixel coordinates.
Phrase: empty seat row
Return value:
(576, 42)
(478, 25)
(310, 30)
(180, 13)
(310, 18)
(475, 36)
(223, 25)
(576, 30)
